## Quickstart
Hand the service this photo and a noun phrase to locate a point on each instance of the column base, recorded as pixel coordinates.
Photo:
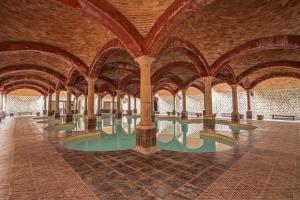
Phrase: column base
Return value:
(50, 113)
(85, 112)
(184, 115)
(99, 113)
(153, 118)
(113, 112)
(129, 112)
(118, 115)
(91, 123)
(249, 114)
(146, 139)
(76, 112)
(44, 112)
(173, 112)
(204, 112)
(134, 111)
(57, 115)
(209, 123)
(235, 118)
(69, 118)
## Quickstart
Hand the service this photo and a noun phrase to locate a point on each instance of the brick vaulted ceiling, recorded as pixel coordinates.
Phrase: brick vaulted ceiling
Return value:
(55, 43)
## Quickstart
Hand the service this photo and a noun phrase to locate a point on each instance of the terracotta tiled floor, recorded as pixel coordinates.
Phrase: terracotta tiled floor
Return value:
(265, 165)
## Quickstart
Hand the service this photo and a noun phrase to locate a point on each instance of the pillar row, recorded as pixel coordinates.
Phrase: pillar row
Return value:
(99, 103)
(146, 131)
(249, 111)
(69, 114)
(119, 112)
(129, 112)
(183, 112)
(134, 106)
(50, 112)
(57, 111)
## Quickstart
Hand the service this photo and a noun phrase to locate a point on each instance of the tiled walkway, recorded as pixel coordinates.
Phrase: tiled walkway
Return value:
(265, 165)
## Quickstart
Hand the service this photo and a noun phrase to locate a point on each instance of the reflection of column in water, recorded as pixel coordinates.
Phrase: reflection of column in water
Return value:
(134, 122)
(113, 126)
(184, 130)
(209, 145)
(118, 128)
(99, 124)
(174, 127)
(129, 125)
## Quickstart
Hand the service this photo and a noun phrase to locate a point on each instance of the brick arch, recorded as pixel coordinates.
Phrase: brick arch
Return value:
(197, 86)
(167, 68)
(163, 87)
(103, 54)
(273, 42)
(39, 86)
(16, 47)
(267, 65)
(273, 75)
(36, 68)
(173, 16)
(107, 15)
(35, 82)
(17, 78)
(39, 90)
(187, 48)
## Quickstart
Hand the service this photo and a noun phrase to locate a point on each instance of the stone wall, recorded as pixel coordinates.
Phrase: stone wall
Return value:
(24, 104)
(264, 102)
(282, 102)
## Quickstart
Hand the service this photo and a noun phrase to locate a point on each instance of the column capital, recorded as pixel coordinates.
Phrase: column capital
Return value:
(90, 79)
(207, 79)
(144, 59)
(234, 86)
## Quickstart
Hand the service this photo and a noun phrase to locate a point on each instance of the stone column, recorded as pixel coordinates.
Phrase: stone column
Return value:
(184, 114)
(50, 112)
(209, 118)
(91, 118)
(129, 112)
(134, 105)
(249, 111)
(76, 105)
(57, 111)
(235, 116)
(69, 114)
(119, 112)
(146, 131)
(85, 112)
(113, 105)
(174, 105)
(45, 105)
(99, 104)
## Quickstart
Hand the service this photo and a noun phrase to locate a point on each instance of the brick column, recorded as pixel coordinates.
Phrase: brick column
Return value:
(129, 112)
(76, 105)
(99, 104)
(57, 111)
(91, 118)
(69, 114)
(152, 103)
(183, 112)
(235, 116)
(209, 118)
(134, 105)
(249, 111)
(50, 113)
(146, 131)
(113, 104)
(119, 112)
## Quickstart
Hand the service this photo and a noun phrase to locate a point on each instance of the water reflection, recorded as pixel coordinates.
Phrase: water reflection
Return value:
(120, 135)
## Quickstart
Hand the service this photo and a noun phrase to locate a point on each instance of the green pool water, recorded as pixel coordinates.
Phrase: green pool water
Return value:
(115, 135)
